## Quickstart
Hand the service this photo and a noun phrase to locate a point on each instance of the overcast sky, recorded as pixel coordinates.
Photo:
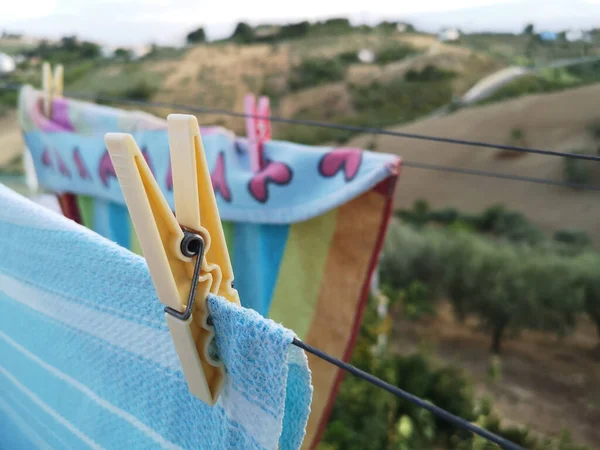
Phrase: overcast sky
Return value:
(134, 22)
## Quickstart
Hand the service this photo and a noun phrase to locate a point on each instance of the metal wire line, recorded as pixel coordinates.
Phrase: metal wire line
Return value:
(436, 410)
(314, 123)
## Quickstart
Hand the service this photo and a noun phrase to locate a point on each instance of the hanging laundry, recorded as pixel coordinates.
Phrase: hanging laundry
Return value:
(86, 359)
(304, 232)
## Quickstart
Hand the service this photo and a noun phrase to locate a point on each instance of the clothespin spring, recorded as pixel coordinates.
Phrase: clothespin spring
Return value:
(191, 245)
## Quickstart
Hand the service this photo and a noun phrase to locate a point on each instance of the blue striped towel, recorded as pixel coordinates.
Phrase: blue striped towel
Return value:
(86, 359)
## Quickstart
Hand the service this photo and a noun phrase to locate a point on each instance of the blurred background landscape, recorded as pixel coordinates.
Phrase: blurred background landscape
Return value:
(488, 301)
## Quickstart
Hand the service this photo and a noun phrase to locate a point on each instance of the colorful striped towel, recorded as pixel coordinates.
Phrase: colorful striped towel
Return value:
(86, 359)
(304, 234)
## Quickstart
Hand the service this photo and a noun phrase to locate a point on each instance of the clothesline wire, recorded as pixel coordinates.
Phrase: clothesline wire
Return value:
(506, 176)
(405, 163)
(436, 410)
(314, 123)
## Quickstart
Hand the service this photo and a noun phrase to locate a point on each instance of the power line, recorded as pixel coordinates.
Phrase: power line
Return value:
(314, 123)
(506, 176)
(411, 164)
(436, 410)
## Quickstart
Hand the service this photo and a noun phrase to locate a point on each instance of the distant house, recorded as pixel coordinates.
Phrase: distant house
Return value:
(578, 36)
(401, 28)
(366, 56)
(449, 35)
(7, 64)
(548, 36)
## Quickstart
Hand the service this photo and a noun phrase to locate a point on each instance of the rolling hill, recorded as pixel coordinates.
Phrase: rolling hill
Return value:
(550, 121)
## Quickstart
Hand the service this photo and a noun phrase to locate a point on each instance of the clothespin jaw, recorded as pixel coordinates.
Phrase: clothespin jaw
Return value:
(169, 245)
(51, 85)
(258, 129)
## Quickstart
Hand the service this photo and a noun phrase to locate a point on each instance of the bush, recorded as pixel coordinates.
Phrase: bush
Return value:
(417, 301)
(394, 53)
(196, 36)
(382, 104)
(142, 91)
(509, 224)
(392, 422)
(573, 237)
(411, 256)
(366, 417)
(445, 216)
(313, 72)
(9, 98)
(348, 57)
(429, 73)
(577, 171)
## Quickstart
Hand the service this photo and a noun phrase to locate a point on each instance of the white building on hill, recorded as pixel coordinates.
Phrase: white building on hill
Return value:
(578, 36)
(7, 64)
(449, 35)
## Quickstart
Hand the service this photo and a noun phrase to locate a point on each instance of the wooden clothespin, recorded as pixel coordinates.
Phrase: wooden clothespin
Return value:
(51, 85)
(170, 245)
(258, 129)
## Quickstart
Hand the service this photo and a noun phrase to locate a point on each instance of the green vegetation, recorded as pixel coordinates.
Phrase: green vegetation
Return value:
(196, 36)
(549, 80)
(429, 73)
(496, 267)
(317, 71)
(313, 72)
(8, 101)
(129, 81)
(527, 48)
(245, 33)
(577, 170)
(374, 105)
(366, 417)
(393, 53)
(68, 50)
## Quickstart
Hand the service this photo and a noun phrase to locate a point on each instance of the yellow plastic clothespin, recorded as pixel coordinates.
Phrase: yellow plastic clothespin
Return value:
(51, 85)
(169, 245)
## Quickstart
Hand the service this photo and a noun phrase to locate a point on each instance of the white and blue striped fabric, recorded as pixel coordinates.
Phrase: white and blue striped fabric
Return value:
(87, 361)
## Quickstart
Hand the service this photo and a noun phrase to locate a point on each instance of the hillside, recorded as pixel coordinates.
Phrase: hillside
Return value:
(219, 75)
(550, 121)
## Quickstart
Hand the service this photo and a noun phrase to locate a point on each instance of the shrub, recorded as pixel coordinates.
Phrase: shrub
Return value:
(409, 256)
(445, 216)
(8, 98)
(577, 171)
(196, 36)
(393, 53)
(142, 91)
(417, 301)
(382, 104)
(348, 57)
(313, 72)
(573, 237)
(366, 417)
(509, 224)
(588, 278)
(429, 73)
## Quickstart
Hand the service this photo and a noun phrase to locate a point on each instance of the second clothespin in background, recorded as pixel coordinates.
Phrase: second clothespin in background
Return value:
(52, 85)
(258, 129)
(170, 245)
